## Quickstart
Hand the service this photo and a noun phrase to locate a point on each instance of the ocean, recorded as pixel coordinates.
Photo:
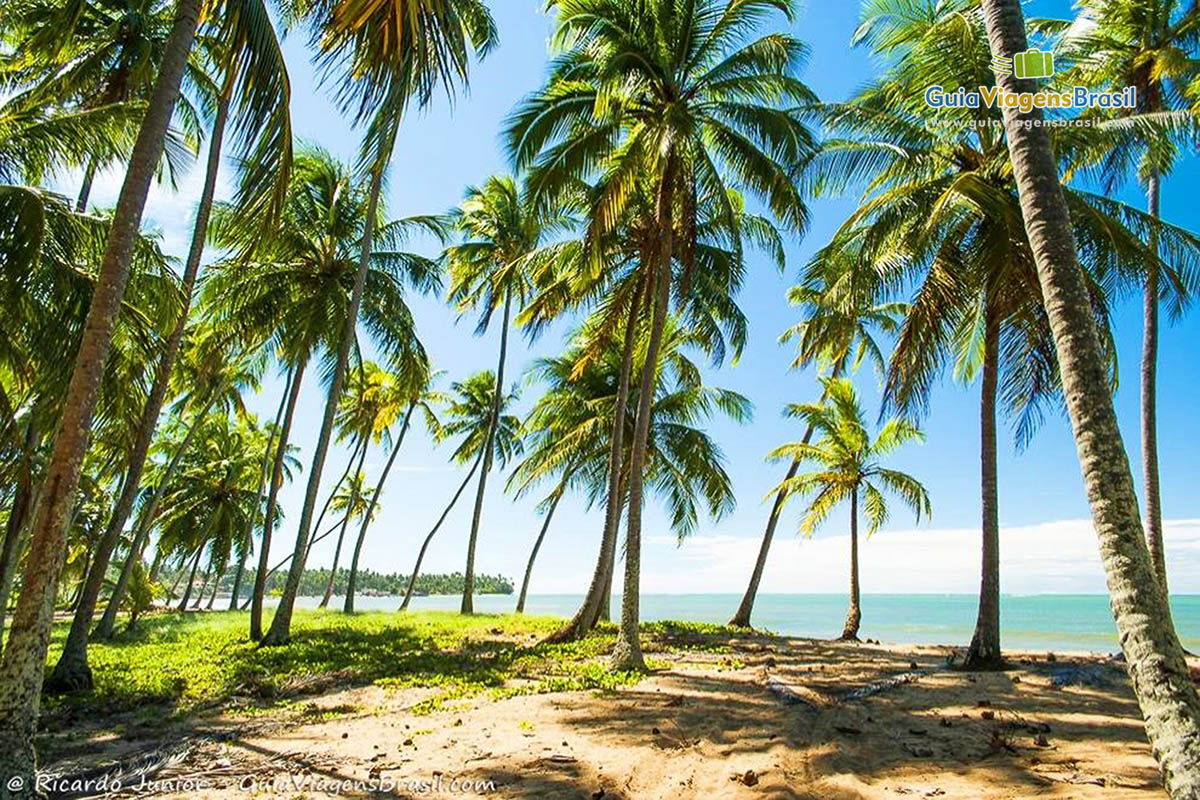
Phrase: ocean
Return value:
(1028, 622)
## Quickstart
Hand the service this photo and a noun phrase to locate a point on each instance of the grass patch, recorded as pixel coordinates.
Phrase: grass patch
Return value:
(179, 664)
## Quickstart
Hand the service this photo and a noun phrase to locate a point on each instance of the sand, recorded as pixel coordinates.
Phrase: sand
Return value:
(768, 718)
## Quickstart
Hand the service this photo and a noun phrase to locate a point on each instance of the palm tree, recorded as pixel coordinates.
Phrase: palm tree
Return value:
(678, 96)
(849, 468)
(610, 274)
(250, 62)
(212, 495)
(837, 333)
(214, 377)
(204, 379)
(1157, 668)
(94, 56)
(354, 501)
(491, 271)
(413, 390)
(29, 636)
(1152, 46)
(566, 433)
(372, 404)
(468, 415)
(396, 52)
(977, 301)
(294, 288)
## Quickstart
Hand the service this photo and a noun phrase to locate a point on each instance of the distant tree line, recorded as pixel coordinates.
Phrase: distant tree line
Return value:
(368, 582)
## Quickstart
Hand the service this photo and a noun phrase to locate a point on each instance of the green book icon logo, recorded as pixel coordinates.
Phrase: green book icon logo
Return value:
(1033, 64)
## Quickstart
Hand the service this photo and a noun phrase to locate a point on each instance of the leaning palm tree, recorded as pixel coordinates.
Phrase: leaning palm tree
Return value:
(566, 434)
(849, 469)
(29, 636)
(841, 317)
(491, 270)
(1161, 680)
(353, 501)
(1151, 45)
(976, 300)
(406, 391)
(254, 91)
(396, 51)
(610, 278)
(683, 98)
(468, 414)
(293, 289)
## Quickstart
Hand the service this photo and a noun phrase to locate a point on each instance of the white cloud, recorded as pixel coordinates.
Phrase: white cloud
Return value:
(1049, 558)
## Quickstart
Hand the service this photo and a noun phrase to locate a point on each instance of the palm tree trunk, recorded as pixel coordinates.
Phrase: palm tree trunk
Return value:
(984, 652)
(599, 593)
(14, 529)
(217, 583)
(412, 580)
(264, 548)
(252, 523)
(1157, 669)
(72, 673)
(854, 613)
(741, 618)
(104, 628)
(348, 605)
(537, 545)
(1154, 529)
(337, 487)
(85, 188)
(187, 590)
(288, 558)
(468, 605)
(627, 652)
(281, 624)
(238, 576)
(29, 637)
(178, 578)
(604, 612)
(204, 580)
(337, 551)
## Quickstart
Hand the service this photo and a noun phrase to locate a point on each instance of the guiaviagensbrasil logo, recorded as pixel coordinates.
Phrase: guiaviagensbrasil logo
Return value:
(1030, 65)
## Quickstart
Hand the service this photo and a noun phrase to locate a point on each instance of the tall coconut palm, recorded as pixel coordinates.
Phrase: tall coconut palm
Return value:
(254, 90)
(294, 288)
(848, 461)
(396, 51)
(610, 277)
(841, 317)
(468, 414)
(491, 272)
(354, 502)
(566, 433)
(411, 390)
(682, 96)
(1159, 673)
(977, 302)
(1151, 45)
(29, 636)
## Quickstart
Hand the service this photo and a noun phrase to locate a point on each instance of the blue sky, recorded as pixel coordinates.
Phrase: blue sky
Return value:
(1043, 509)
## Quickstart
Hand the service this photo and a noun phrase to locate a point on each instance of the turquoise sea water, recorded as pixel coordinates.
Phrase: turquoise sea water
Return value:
(1029, 622)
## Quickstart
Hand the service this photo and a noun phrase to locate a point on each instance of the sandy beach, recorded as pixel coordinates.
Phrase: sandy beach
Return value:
(721, 716)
